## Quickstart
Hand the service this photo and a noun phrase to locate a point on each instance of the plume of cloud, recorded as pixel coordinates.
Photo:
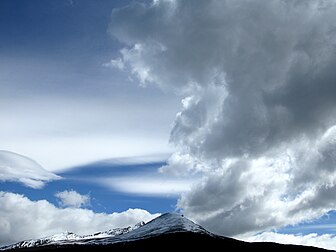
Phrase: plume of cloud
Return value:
(258, 117)
(18, 168)
(147, 185)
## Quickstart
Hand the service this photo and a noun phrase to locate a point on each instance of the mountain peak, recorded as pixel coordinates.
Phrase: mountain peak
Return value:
(176, 222)
(165, 223)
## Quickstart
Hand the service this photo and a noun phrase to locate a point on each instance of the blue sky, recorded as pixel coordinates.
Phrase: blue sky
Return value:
(159, 106)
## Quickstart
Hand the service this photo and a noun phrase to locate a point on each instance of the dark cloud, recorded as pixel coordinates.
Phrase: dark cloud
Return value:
(258, 83)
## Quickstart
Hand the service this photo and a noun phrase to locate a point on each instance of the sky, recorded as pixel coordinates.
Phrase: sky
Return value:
(113, 112)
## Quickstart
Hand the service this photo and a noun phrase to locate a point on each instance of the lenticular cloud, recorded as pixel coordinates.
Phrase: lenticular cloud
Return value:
(18, 168)
(258, 121)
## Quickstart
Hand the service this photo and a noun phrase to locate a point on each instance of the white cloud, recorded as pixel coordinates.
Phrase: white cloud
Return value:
(259, 113)
(21, 218)
(81, 131)
(148, 185)
(72, 199)
(115, 63)
(326, 241)
(88, 149)
(18, 168)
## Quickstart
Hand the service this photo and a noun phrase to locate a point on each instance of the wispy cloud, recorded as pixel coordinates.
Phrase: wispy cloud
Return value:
(148, 185)
(115, 63)
(111, 120)
(90, 131)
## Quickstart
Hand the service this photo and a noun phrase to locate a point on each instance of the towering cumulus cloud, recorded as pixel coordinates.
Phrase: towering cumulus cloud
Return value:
(258, 122)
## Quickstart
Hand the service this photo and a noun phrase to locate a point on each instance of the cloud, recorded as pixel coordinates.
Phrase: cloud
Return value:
(148, 185)
(115, 63)
(88, 128)
(258, 121)
(137, 159)
(18, 168)
(326, 241)
(21, 218)
(72, 199)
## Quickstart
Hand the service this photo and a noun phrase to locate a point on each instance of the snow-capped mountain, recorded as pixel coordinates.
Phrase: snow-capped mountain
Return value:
(72, 238)
(166, 223)
(168, 232)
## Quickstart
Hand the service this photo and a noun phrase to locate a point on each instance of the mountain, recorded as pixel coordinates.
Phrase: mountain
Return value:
(68, 238)
(169, 232)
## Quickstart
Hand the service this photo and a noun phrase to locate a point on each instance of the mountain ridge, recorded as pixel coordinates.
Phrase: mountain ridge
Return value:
(170, 231)
(70, 238)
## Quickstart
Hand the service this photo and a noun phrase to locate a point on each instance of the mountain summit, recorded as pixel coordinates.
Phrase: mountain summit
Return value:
(168, 232)
(166, 223)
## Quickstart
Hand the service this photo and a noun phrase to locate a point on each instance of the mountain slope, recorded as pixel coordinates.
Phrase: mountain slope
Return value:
(166, 223)
(68, 238)
(169, 232)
